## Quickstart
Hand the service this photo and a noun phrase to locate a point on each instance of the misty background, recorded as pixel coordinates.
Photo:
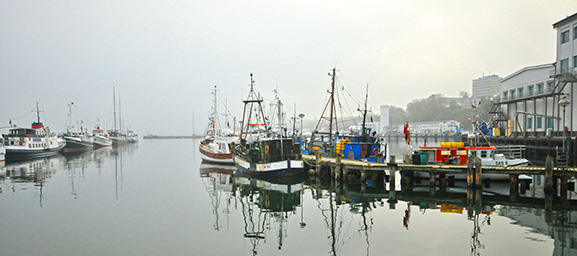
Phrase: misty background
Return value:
(164, 57)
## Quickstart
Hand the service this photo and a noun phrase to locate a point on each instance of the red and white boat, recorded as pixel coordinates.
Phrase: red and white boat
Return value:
(455, 153)
(215, 147)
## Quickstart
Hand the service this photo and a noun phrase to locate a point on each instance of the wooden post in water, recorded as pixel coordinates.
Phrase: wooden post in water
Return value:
(337, 174)
(364, 175)
(442, 182)
(563, 190)
(478, 173)
(514, 187)
(432, 183)
(548, 188)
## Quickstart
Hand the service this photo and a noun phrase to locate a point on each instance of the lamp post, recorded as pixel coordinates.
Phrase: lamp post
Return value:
(564, 102)
(301, 116)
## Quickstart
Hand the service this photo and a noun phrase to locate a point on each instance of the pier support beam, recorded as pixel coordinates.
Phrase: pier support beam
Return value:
(364, 175)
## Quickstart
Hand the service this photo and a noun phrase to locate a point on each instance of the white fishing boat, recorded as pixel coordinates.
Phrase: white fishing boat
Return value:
(216, 146)
(259, 153)
(100, 138)
(456, 153)
(32, 142)
(131, 136)
(76, 137)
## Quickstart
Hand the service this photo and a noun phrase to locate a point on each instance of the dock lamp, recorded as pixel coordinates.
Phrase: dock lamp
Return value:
(564, 102)
(301, 116)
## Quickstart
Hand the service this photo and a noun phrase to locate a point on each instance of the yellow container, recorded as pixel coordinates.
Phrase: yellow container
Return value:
(445, 144)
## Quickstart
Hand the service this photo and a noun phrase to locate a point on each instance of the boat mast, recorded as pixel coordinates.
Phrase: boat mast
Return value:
(332, 115)
(119, 115)
(364, 112)
(252, 99)
(214, 113)
(114, 105)
(332, 105)
(70, 124)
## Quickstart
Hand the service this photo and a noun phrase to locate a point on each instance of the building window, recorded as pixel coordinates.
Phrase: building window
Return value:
(531, 90)
(540, 88)
(512, 92)
(505, 95)
(539, 124)
(564, 36)
(550, 86)
(564, 65)
(574, 32)
(529, 123)
(520, 91)
(549, 122)
(575, 61)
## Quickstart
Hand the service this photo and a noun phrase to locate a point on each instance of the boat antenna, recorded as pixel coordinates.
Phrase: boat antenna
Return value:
(38, 112)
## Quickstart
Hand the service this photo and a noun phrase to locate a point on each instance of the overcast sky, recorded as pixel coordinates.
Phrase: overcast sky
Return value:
(165, 56)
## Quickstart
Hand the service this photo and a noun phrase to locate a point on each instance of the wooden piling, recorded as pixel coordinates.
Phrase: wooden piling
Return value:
(478, 173)
(442, 182)
(432, 183)
(514, 187)
(548, 188)
(364, 175)
(563, 190)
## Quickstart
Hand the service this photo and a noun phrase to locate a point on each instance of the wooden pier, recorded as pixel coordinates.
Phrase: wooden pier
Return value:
(344, 171)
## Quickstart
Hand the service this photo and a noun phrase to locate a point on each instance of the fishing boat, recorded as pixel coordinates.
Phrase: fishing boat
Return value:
(456, 153)
(259, 153)
(100, 137)
(77, 138)
(217, 143)
(131, 136)
(32, 142)
(361, 145)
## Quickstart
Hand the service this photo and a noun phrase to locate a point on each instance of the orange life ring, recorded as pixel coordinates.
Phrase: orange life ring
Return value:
(29, 138)
(267, 149)
(376, 151)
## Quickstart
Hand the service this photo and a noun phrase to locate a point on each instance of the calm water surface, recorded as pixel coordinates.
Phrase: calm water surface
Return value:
(156, 198)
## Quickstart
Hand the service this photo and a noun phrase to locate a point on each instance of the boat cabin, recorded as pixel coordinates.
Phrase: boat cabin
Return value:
(454, 153)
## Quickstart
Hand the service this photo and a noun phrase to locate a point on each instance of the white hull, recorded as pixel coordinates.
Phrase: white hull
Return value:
(100, 141)
(272, 168)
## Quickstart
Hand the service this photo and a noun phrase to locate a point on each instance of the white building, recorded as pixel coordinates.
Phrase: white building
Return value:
(486, 86)
(432, 127)
(529, 98)
(385, 118)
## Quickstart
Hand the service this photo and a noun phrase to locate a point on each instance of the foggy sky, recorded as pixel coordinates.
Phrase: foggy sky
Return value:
(164, 57)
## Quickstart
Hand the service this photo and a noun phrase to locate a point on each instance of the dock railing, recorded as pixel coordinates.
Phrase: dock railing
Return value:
(512, 151)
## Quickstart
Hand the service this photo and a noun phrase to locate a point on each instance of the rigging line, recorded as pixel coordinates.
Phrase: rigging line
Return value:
(342, 84)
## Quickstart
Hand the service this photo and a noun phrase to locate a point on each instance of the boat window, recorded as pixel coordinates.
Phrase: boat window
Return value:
(12, 143)
(483, 153)
(473, 152)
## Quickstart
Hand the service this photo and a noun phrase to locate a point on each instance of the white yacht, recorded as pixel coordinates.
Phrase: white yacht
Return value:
(77, 139)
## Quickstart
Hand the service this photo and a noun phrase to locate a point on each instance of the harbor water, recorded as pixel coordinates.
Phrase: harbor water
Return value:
(156, 198)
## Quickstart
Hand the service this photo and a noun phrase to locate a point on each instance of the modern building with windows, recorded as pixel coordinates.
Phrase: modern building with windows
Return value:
(486, 86)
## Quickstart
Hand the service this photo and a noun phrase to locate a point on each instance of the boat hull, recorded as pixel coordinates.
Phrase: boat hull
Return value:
(277, 168)
(211, 157)
(15, 152)
(74, 145)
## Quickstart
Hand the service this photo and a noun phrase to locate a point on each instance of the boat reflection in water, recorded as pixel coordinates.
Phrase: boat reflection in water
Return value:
(263, 203)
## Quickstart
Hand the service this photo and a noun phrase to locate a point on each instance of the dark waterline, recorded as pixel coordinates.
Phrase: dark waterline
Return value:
(155, 198)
